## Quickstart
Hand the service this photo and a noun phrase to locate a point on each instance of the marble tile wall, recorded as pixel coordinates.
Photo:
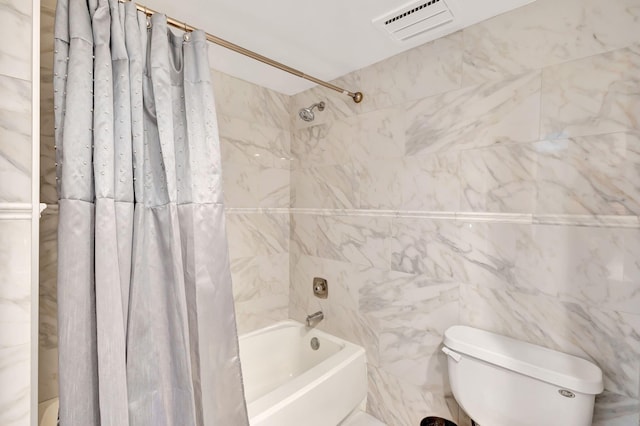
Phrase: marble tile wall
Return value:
(489, 178)
(255, 142)
(15, 322)
(15, 229)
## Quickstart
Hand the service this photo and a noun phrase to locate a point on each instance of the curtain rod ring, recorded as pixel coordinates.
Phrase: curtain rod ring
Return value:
(146, 15)
(186, 35)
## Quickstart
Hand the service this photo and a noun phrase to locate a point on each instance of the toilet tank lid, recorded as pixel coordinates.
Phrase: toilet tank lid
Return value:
(563, 370)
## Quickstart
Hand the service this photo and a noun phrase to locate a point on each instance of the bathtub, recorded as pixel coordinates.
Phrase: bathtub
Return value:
(287, 383)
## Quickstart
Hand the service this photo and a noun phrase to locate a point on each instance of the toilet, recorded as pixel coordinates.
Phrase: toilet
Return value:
(499, 381)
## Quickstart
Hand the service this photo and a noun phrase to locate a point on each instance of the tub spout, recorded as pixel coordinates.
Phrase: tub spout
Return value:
(314, 318)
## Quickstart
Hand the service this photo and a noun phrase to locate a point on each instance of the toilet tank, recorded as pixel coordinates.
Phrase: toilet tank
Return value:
(500, 381)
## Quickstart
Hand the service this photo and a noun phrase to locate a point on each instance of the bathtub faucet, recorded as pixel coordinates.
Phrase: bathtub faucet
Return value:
(314, 318)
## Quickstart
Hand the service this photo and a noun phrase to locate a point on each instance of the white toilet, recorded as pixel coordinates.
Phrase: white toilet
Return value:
(499, 381)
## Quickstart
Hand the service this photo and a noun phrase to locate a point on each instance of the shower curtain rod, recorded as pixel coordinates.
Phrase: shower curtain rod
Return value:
(357, 96)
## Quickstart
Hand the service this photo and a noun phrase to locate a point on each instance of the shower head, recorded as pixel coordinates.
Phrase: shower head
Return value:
(307, 113)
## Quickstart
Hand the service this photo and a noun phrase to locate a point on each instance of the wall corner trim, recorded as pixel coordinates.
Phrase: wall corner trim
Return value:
(15, 211)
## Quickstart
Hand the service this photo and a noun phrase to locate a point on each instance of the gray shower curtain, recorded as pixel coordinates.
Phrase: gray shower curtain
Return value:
(147, 332)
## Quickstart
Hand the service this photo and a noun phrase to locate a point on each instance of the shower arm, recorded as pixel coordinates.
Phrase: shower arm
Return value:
(356, 96)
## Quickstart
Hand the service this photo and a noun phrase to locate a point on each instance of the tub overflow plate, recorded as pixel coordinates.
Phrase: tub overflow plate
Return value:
(315, 344)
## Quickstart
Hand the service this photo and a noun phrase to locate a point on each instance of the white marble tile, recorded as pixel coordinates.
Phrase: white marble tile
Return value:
(247, 185)
(493, 113)
(376, 135)
(410, 314)
(247, 142)
(260, 276)
(325, 187)
(403, 404)
(323, 144)
(588, 265)
(434, 67)
(261, 290)
(380, 183)
(431, 182)
(426, 246)
(499, 255)
(373, 135)
(247, 101)
(255, 161)
(360, 418)
(15, 394)
(258, 244)
(15, 25)
(384, 294)
(255, 314)
(631, 249)
(15, 321)
(608, 338)
(595, 175)
(304, 234)
(595, 95)
(357, 240)
(406, 354)
(498, 179)
(257, 234)
(15, 282)
(547, 32)
(274, 188)
(616, 410)
(240, 184)
(15, 140)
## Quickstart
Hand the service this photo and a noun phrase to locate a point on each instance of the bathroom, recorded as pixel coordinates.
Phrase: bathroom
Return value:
(490, 177)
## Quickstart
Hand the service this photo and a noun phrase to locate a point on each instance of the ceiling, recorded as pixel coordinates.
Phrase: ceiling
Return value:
(323, 38)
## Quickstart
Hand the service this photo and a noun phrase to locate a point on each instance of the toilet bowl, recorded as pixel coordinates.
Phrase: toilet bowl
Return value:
(48, 412)
(499, 381)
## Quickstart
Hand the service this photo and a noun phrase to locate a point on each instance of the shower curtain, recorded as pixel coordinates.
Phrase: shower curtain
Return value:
(147, 332)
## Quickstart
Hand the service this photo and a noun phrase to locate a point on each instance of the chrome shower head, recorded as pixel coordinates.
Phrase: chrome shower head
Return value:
(307, 113)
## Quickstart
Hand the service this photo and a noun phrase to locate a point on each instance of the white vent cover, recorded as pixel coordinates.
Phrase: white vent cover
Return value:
(415, 18)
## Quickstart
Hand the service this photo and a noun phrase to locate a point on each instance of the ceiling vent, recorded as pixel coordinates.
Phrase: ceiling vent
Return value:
(415, 18)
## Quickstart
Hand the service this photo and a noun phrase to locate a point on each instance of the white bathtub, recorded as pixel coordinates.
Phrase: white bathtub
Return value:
(287, 383)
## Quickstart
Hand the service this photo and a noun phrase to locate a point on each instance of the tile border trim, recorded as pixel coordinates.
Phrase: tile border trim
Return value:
(15, 211)
(598, 221)
(18, 211)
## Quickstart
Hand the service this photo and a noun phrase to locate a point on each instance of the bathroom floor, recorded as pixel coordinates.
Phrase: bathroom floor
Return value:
(360, 418)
